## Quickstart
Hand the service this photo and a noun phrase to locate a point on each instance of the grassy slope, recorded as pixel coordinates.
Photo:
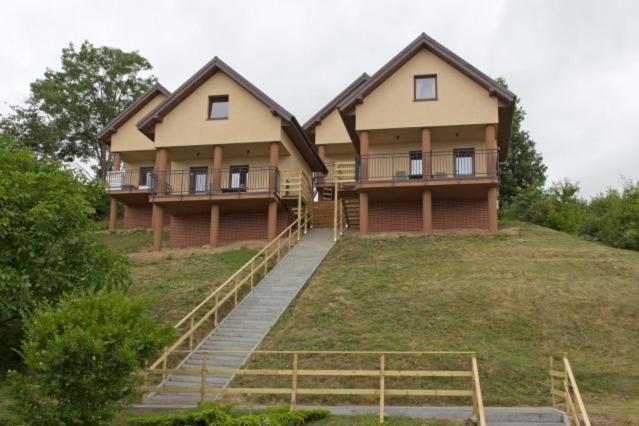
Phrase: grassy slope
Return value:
(515, 299)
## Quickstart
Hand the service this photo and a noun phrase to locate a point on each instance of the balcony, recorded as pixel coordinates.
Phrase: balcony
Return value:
(138, 180)
(233, 182)
(437, 165)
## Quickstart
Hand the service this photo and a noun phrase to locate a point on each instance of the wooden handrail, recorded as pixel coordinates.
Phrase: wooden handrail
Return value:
(572, 402)
(250, 269)
(310, 369)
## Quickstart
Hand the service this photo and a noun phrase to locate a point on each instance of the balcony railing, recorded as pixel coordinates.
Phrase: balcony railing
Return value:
(455, 164)
(233, 180)
(129, 180)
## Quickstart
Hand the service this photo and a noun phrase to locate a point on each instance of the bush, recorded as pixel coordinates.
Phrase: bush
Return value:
(211, 413)
(80, 356)
(48, 244)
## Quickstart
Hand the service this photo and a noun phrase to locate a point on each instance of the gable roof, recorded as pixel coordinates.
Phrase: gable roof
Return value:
(328, 108)
(423, 41)
(104, 135)
(290, 125)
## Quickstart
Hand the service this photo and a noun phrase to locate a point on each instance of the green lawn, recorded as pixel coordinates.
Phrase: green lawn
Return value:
(514, 298)
(129, 241)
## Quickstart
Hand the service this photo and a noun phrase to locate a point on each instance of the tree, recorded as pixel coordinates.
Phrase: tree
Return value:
(68, 107)
(80, 355)
(48, 244)
(524, 169)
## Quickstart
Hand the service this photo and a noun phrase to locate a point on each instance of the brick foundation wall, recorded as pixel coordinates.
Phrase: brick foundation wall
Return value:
(193, 230)
(140, 216)
(323, 213)
(467, 214)
(406, 216)
(395, 216)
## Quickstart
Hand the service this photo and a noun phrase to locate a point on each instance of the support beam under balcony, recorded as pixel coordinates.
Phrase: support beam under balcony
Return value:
(363, 213)
(492, 210)
(215, 225)
(157, 220)
(427, 212)
(272, 220)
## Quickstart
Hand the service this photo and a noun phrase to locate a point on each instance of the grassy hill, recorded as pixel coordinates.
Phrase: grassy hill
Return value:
(515, 298)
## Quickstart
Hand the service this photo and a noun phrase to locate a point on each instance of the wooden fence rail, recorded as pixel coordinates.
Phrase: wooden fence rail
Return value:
(469, 375)
(564, 391)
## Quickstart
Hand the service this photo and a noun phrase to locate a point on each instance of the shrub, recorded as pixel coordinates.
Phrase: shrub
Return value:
(211, 413)
(48, 244)
(80, 356)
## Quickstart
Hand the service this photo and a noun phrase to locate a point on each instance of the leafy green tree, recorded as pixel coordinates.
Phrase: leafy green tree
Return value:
(80, 355)
(68, 107)
(48, 244)
(524, 169)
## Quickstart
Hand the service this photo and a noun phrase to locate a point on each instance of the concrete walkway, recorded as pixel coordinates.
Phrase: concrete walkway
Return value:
(247, 325)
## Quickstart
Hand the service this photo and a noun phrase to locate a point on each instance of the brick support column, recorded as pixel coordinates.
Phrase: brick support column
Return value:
(215, 225)
(157, 219)
(363, 152)
(491, 147)
(113, 213)
(272, 220)
(427, 212)
(492, 210)
(216, 177)
(363, 213)
(426, 154)
(275, 163)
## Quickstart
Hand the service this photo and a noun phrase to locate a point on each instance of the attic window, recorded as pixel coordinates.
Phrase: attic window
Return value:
(425, 87)
(218, 107)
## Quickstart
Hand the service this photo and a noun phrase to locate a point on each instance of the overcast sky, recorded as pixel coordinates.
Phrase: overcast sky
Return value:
(573, 64)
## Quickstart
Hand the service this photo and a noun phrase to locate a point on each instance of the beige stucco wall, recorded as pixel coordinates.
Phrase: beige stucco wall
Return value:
(460, 100)
(187, 124)
(128, 137)
(331, 130)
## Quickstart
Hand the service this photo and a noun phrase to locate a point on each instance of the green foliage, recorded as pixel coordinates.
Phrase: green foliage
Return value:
(211, 413)
(68, 107)
(80, 355)
(524, 169)
(613, 217)
(47, 241)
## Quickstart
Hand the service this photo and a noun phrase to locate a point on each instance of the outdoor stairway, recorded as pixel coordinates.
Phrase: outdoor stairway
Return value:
(245, 327)
(351, 211)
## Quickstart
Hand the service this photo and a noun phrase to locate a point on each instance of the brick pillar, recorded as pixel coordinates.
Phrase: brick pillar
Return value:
(216, 177)
(427, 164)
(275, 162)
(363, 213)
(113, 214)
(157, 218)
(363, 152)
(491, 153)
(215, 225)
(492, 210)
(427, 212)
(272, 220)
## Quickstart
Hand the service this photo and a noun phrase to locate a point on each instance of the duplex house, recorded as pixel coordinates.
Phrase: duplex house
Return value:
(224, 161)
(423, 136)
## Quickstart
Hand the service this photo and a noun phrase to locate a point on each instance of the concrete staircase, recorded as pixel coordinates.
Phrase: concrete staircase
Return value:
(247, 325)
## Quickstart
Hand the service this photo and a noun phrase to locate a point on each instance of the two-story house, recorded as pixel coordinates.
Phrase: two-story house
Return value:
(425, 133)
(228, 163)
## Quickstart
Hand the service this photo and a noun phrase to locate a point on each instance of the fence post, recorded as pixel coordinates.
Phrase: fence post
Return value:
(290, 235)
(294, 384)
(203, 377)
(252, 274)
(279, 241)
(217, 299)
(552, 382)
(164, 363)
(381, 388)
(299, 206)
(481, 418)
(191, 335)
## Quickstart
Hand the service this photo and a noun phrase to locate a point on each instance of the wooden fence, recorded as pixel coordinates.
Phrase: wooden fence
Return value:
(404, 379)
(564, 391)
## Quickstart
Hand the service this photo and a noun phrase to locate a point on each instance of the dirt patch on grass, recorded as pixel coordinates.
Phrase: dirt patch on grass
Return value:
(177, 253)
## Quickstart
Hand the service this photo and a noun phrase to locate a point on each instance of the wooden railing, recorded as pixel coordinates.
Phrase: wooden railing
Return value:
(564, 391)
(294, 370)
(296, 184)
(206, 316)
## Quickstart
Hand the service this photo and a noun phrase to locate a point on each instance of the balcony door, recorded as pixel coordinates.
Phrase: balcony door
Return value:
(415, 164)
(198, 180)
(146, 177)
(464, 161)
(238, 177)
